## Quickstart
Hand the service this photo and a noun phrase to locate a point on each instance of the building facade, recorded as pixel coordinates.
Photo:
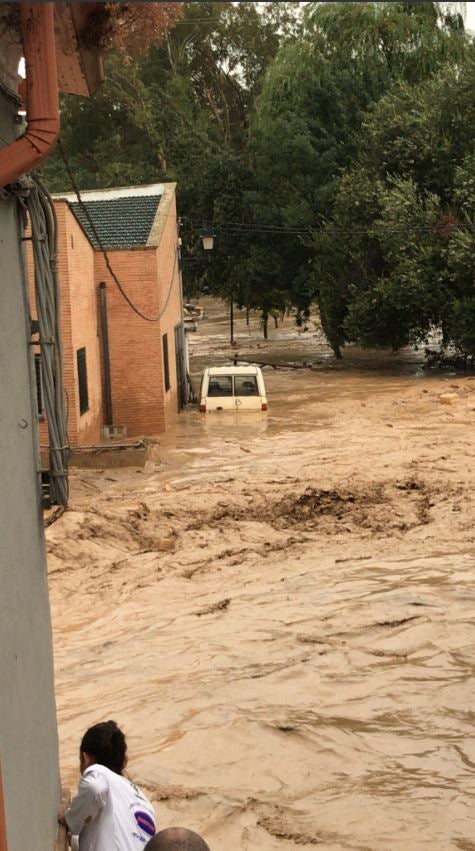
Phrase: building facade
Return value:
(124, 374)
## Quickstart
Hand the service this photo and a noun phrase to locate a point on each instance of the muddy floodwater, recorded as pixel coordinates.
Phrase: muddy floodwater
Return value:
(281, 614)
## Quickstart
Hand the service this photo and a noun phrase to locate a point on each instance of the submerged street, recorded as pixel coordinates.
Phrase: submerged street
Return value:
(281, 614)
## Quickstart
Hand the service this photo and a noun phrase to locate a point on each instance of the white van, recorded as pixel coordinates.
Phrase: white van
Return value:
(232, 388)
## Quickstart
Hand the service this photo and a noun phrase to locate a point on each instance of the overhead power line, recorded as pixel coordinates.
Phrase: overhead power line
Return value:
(113, 275)
(243, 229)
(239, 228)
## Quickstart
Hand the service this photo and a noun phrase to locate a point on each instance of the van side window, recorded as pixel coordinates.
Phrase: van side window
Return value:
(245, 385)
(220, 385)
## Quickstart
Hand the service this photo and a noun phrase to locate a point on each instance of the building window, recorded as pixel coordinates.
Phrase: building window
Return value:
(166, 365)
(39, 386)
(82, 381)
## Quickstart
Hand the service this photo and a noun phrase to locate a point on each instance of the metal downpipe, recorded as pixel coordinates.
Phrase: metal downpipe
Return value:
(42, 103)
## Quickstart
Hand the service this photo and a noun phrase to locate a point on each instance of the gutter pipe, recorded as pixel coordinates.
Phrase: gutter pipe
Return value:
(42, 102)
(105, 354)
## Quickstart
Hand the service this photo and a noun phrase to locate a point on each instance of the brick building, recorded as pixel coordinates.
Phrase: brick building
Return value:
(123, 375)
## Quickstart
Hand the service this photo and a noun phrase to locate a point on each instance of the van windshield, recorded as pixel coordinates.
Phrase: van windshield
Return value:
(233, 385)
(245, 385)
(220, 385)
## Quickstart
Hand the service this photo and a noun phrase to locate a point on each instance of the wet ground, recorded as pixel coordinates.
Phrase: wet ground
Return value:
(282, 614)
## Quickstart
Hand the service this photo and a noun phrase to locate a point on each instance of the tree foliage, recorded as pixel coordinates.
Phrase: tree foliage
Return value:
(130, 27)
(329, 108)
(332, 152)
(415, 166)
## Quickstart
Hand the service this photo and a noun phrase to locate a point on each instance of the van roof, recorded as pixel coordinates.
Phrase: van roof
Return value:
(233, 370)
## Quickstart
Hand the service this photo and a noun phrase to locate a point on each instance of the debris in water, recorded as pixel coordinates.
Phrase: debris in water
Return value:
(215, 607)
(165, 545)
(448, 398)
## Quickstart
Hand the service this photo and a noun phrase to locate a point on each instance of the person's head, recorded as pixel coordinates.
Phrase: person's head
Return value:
(104, 744)
(176, 839)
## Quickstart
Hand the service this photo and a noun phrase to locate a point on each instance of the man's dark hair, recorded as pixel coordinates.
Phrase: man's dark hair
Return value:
(106, 743)
(177, 839)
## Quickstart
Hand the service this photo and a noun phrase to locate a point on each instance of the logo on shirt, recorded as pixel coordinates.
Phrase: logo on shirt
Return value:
(145, 822)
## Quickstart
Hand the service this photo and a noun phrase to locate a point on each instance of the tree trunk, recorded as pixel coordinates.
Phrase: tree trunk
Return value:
(332, 342)
(265, 320)
(231, 319)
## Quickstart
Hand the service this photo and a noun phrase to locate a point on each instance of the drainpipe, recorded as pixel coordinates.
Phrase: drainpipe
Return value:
(105, 354)
(42, 105)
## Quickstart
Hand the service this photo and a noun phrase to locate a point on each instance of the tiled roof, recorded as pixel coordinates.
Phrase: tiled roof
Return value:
(119, 222)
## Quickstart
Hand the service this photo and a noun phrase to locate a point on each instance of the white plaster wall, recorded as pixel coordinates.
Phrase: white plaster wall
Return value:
(28, 734)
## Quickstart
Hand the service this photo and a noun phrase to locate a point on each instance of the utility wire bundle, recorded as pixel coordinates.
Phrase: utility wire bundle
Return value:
(39, 205)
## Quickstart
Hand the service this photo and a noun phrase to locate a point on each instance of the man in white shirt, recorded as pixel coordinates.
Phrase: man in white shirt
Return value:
(109, 813)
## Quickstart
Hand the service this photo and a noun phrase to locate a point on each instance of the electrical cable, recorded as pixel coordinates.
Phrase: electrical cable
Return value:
(238, 228)
(55, 516)
(105, 254)
(11, 95)
(37, 202)
(48, 307)
(233, 228)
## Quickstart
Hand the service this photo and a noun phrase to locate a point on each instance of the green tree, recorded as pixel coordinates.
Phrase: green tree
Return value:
(400, 304)
(305, 145)
(459, 319)
(182, 112)
(309, 127)
(347, 255)
(415, 162)
(402, 41)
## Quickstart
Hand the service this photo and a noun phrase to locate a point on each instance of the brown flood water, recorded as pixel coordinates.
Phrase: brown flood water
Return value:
(298, 671)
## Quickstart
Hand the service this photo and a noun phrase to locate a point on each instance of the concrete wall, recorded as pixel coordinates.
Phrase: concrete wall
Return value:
(28, 736)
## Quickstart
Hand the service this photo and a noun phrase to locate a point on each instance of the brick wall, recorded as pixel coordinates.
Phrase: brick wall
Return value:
(134, 344)
(84, 310)
(79, 326)
(170, 297)
(150, 275)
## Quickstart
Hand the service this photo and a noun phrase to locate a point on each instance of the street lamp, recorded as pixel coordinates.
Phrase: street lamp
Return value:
(207, 236)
